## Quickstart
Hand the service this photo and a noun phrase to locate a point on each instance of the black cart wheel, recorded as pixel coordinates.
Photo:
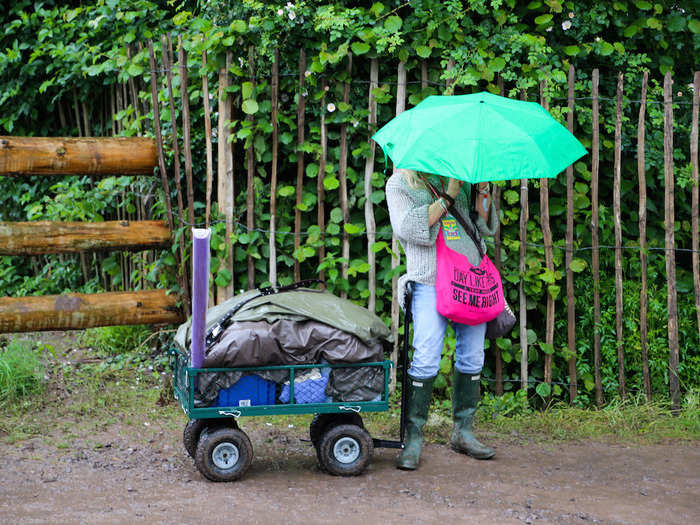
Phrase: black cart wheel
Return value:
(194, 427)
(224, 454)
(345, 450)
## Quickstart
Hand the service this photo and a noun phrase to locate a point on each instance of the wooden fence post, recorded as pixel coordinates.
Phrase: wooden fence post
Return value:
(619, 305)
(548, 257)
(250, 186)
(497, 257)
(643, 295)
(595, 168)
(224, 175)
(301, 102)
(396, 258)
(167, 61)
(207, 139)
(343, 179)
(273, 174)
(320, 189)
(570, 304)
(524, 217)
(186, 144)
(669, 220)
(369, 170)
(159, 137)
(695, 199)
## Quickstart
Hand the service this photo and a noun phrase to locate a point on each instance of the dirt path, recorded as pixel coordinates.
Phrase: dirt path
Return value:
(109, 479)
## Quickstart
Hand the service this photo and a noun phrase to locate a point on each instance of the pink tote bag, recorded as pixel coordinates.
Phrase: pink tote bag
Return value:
(465, 293)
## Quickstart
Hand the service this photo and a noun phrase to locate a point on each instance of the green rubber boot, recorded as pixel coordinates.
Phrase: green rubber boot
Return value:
(418, 400)
(465, 398)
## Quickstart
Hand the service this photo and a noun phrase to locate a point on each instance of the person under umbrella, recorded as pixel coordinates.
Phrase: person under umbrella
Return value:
(415, 215)
(473, 138)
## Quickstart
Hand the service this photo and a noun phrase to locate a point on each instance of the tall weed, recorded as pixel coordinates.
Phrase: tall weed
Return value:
(21, 372)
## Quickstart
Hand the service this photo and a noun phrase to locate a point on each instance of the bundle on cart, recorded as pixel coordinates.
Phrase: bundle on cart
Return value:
(298, 327)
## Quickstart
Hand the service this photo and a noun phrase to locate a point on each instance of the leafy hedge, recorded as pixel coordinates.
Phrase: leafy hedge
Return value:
(55, 53)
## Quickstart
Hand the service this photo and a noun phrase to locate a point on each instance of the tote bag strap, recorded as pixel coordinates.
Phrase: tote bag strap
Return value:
(453, 210)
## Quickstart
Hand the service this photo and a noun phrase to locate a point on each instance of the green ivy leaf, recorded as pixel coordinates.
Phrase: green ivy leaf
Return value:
(359, 48)
(286, 191)
(654, 23)
(423, 51)
(694, 25)
(249, 107)
(543, 19)
(606, 49)
(336, 215)
(223, 278)
(630, 31)
(543, 390)
(239, 26)
(554, 291)
(577, 265)
(547, 348)
(511, 196)
(571, 50)
(353, 229)
(393, 23)
(378, 246)
(246, 90)
(330, 183)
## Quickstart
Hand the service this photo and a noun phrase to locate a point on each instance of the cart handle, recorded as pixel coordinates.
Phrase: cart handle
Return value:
(355, 409)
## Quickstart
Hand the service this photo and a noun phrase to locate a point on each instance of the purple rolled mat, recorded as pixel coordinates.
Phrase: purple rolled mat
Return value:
(200, 293)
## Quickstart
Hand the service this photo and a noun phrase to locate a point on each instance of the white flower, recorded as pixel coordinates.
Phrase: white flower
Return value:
(289, 5)
(330, 107)
(307, 73)
(305, 93)
(326, 88)
(550, 28)
(292, 15)
(241, 61)
(571, 14)
(280, 12)
(566, 25)
(597, 39)
(355, 124)
(680, 93)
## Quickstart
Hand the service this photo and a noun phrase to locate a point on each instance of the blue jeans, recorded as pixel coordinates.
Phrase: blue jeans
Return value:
(429, 333)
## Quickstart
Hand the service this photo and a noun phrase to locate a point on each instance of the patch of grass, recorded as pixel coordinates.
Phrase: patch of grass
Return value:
(21, 372)
(632, 420)
(115, 340)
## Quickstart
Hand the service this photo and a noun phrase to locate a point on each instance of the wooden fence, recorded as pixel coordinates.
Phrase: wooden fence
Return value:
(27, 156)
(222, 177)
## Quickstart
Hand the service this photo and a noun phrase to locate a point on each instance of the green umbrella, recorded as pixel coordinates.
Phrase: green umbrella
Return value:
(480, 137)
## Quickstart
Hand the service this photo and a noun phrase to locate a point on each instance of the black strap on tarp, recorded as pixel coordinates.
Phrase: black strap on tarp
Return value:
(216, 331)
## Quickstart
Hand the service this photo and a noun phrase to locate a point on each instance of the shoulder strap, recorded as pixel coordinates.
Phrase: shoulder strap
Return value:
(476, 238)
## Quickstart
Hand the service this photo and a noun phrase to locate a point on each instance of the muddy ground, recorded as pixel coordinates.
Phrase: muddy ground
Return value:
(93, 464)
(122, 476)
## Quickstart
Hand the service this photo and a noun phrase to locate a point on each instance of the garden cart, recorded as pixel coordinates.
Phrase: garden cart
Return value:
(221, 449)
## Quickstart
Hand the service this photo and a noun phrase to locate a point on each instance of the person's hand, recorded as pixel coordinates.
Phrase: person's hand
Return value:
(453, 187)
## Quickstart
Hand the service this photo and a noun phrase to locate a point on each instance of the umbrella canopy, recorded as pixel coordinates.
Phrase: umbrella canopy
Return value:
(480, 137)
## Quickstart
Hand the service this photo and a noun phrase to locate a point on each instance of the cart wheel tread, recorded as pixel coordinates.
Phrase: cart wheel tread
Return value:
(345, 450)
(224, 454)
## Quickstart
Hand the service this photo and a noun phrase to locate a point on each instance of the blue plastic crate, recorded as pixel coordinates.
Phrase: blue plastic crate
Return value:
(248, 391)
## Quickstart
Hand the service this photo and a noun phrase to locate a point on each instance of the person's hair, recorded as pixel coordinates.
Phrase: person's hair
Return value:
(412, 178)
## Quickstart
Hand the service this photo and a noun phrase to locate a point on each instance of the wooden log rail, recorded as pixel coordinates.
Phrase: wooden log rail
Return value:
(84, 156)
(43, 237)
(79, 311)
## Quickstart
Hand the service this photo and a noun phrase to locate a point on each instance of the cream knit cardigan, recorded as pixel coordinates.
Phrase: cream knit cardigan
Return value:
(408, 212)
